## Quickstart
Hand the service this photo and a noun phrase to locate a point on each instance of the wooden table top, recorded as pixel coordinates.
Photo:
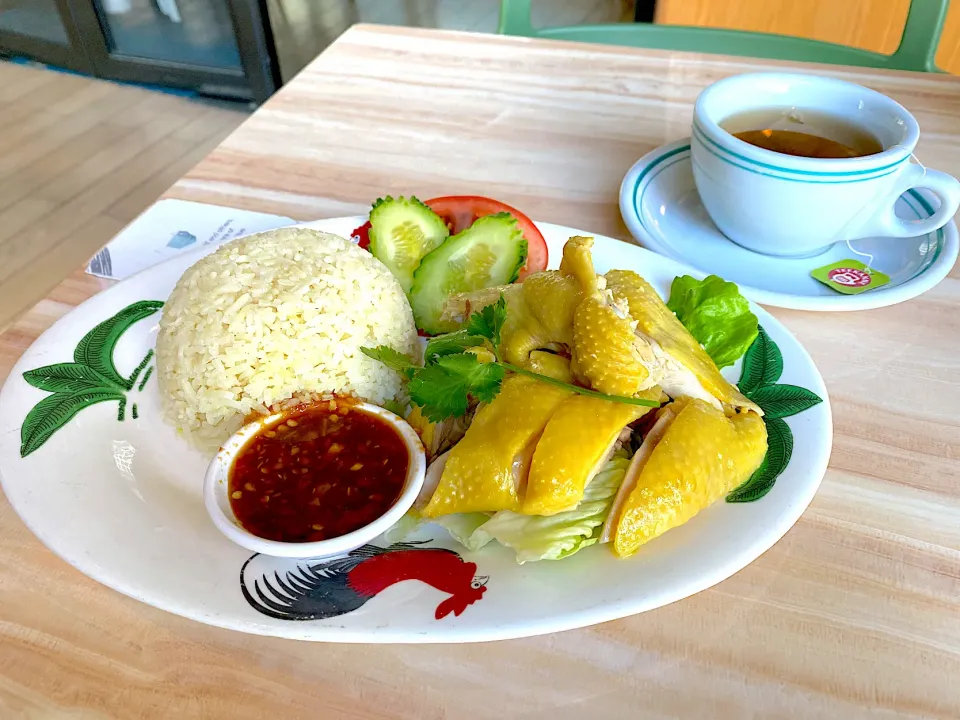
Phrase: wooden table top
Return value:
(854, 613)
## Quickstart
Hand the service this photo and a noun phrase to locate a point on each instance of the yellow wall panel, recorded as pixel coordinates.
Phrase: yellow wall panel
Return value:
(869, 24)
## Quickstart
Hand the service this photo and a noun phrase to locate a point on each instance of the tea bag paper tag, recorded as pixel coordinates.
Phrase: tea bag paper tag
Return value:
(850, 277)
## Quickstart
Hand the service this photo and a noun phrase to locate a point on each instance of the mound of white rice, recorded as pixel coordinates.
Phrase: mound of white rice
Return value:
(273, 316)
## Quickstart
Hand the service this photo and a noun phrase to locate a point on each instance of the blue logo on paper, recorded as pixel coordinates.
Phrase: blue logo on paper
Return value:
(181, 240)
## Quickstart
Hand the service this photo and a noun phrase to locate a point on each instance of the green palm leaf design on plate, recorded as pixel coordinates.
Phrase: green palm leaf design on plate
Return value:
(66, 377)
(762, 364)
(55, 411)
(779, 450)
(762, 367)
(95, 350)
(780, 401)
(90, 379)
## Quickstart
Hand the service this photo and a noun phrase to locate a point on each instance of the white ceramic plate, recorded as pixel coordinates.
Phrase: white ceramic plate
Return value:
(121, 501)
(661, 208)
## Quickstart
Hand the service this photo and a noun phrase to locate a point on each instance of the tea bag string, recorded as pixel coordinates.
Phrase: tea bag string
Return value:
(869, 258)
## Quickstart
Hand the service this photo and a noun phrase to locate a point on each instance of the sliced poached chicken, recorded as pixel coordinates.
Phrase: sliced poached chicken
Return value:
(486, 470)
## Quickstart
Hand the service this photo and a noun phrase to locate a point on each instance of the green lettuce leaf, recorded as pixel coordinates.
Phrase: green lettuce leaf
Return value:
(716, 314)
(404, 527)
(554, 537)
(534, 537)
(467, 529)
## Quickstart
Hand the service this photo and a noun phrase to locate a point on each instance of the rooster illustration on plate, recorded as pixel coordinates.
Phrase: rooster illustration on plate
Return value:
(319, 589)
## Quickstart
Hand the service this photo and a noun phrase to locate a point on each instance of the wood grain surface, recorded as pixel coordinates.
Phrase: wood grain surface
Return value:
(855, 613)
(79, 159)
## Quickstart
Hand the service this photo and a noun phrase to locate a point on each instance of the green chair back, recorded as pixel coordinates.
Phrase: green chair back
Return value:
(917, 50)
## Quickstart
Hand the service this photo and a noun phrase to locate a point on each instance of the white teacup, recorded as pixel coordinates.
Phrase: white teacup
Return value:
(779, 204)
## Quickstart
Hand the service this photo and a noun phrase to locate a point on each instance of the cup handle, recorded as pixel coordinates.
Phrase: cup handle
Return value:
(946, 187)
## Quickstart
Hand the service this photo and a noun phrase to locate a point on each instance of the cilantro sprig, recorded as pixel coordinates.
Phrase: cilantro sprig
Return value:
(393, 359)
(451, 344)
(444, 389)
(445, 386)
(452, 377)
(489, 322)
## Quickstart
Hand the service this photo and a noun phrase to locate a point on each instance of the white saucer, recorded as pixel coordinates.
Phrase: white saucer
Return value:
(661, 208)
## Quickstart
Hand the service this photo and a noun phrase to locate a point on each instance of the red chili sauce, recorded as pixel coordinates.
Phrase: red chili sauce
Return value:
(317, 473)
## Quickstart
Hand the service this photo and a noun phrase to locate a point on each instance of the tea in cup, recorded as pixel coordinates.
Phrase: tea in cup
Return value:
(788, 164)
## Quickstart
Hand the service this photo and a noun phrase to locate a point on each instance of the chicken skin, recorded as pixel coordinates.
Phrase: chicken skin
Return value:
(486, 470)
(697, 456)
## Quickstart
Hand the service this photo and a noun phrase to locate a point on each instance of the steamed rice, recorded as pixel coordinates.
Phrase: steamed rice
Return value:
(276, 316)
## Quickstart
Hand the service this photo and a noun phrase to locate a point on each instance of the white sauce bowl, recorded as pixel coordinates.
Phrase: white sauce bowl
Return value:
(217, 500)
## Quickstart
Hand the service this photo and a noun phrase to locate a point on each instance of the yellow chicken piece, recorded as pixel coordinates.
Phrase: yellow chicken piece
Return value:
(701, 456)
(621, 337)
(655, 320)
(606, 350)
(539, 313)
(577, 263)
(485, 471)
(522, 332)
(554, 366)
(426, 429)
(541, 316)
(607, 353)
(552, 297)
(576, 443)
(483, 354)
(437, 437)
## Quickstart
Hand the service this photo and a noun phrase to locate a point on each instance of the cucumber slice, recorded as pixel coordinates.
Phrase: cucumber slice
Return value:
(402, 231)
(490, 252)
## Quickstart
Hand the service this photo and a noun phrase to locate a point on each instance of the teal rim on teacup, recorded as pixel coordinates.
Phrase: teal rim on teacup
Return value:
(792, 206)
(898, 138)
(794, 174)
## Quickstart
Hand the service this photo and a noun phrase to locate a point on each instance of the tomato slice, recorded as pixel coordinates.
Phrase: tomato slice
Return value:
(459, 212)
(361, 235)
